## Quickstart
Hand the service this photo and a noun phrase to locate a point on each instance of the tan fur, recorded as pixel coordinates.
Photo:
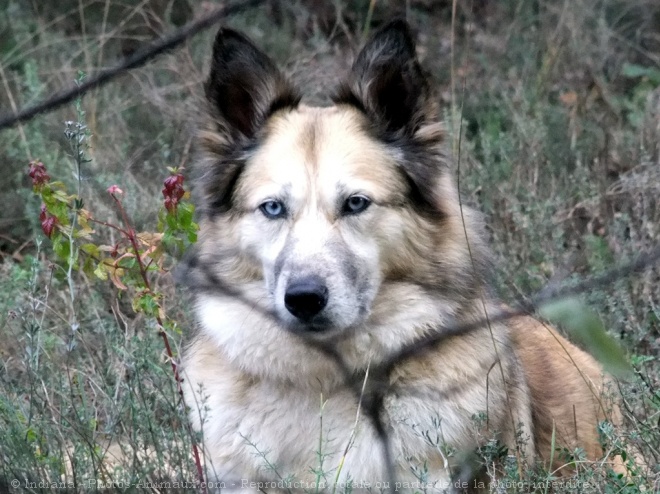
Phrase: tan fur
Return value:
(567, 389)
(267, 403)
(246, 416)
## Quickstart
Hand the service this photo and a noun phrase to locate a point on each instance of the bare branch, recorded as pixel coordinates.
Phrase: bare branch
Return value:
(135, 60)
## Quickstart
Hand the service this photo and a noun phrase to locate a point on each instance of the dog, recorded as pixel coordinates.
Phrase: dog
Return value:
(342, 225)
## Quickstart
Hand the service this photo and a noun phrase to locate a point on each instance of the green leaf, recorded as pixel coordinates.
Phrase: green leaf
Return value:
(587, 328)
(167, 238)
(162, 213)
(185, 216)
(128, 262)
(171, 221)
(30, 435)
(62, 247)
(101, 272)
(634, 71)
(147, 303)
(88, 266)
(91, 249)
(639, 360)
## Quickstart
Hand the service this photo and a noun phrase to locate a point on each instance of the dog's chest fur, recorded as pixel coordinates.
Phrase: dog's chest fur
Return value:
(269, 429)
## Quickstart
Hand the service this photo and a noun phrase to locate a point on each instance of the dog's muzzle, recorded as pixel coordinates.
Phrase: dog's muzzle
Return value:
(305, 298)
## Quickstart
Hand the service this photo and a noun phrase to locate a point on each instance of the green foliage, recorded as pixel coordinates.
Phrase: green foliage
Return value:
(646, 79)
(587, 328)
(128, 260)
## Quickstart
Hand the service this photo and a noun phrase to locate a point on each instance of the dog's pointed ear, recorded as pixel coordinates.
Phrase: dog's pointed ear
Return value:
(244, 86)
(387, 82)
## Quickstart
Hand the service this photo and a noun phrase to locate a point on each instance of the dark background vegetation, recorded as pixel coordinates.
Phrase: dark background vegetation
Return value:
(558, 107)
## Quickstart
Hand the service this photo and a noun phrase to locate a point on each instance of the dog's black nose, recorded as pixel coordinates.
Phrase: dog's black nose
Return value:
(306, 297)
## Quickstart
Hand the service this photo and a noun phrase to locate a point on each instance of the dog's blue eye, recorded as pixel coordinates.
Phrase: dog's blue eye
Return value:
(273, 209)
(355, 204)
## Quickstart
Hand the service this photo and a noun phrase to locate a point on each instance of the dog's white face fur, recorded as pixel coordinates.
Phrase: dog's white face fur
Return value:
(340, 221)
(328, 207)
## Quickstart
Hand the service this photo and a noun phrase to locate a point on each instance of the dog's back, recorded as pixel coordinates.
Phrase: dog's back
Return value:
(569, 393)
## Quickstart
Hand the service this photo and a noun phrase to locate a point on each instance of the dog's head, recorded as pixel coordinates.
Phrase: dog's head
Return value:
(322, 206)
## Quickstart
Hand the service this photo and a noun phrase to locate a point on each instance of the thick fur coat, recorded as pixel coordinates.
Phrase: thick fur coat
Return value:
(343, 225)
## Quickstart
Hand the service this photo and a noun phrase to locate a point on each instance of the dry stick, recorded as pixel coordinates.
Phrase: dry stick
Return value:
(12, 102)
(137, 59)
(168, 349)
(351, 438)
(370, 394)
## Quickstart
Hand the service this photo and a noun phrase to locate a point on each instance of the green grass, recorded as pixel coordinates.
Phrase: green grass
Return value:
(560, 122)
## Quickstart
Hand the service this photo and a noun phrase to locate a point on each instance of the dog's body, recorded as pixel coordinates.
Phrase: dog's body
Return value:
(342, 225)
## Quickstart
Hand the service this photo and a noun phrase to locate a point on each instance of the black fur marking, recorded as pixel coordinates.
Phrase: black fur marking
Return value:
(221, 190)
(288, 101)
(344, 95)
(422, 168)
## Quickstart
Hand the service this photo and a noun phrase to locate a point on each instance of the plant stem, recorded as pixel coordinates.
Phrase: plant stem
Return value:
(130, 233)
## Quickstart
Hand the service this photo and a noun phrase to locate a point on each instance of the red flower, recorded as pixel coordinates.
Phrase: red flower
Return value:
(173, 191)
(48, 222)
(48, 225)
(38, 173)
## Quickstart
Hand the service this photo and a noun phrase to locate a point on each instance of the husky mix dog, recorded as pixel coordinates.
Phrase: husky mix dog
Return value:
(343, 224)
